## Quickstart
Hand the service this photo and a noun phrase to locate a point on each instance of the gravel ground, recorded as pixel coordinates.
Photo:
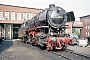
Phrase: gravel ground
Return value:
(14, 50)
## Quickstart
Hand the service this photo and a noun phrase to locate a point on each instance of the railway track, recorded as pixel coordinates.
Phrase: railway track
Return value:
(61, 55)
(67, 54)
(71, 55)
(71, 51)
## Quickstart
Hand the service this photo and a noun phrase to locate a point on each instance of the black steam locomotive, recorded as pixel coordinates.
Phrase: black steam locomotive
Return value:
(47, 28)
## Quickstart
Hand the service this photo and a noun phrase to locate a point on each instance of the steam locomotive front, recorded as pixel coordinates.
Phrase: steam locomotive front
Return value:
(57, 16)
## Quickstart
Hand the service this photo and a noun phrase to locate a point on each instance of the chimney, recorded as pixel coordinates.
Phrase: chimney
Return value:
(51, 5)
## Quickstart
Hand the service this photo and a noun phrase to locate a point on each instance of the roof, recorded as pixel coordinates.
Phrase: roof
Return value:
(20, 7)
(84, 16)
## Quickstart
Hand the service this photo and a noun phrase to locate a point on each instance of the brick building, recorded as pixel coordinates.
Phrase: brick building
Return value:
(85, 31)
(11, 18)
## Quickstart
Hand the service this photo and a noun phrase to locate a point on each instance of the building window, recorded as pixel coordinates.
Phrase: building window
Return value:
(1, 15)
(87, 19)
(12, 15)
(6, 15)
(24, 16)
(87, 27)
(35, 14)
(18, 16)
(30, 15)
(87, 33)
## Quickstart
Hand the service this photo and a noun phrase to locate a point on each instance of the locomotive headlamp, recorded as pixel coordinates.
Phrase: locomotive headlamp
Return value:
(51, 33)
(59, 8)
(53, 39)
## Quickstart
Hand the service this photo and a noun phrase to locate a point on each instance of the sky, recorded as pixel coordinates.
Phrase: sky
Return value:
(79, 7)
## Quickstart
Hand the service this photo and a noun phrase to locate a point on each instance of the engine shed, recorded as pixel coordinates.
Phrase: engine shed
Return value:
(11, 18)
